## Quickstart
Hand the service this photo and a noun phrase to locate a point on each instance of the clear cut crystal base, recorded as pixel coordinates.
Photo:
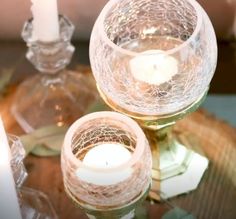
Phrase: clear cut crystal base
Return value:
(35, 204)
(45, 100)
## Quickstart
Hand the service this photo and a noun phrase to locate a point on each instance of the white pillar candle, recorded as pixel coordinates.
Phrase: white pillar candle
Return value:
(153, 67)
(105, 156)
(9, 207)
(45, 20)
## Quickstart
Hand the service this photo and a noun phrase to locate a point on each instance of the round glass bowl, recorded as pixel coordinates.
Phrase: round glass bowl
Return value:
(153, 57)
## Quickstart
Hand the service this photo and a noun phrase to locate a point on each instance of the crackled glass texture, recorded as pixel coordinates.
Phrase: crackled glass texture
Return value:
(106, 128)
(126, 28)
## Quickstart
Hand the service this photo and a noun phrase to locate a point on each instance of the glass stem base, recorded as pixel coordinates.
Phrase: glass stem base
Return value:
(124, 212)
(177, 168)
(35, 204)
(52, 100)
(129, 215)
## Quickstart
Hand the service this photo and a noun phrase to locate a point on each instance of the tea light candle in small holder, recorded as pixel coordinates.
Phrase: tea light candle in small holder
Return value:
(106, 164)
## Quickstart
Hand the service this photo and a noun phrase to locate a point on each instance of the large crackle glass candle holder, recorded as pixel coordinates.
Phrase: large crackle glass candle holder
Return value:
(56, 96)
(153, 60)
(106, 164)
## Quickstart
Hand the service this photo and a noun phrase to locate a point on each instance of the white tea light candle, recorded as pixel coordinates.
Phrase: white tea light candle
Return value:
(107, 155)
(45, 20)
(153, 67)
(9, 207)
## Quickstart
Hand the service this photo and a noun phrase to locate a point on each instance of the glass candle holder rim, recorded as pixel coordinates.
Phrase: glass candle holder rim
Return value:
(197, 7)
(62, 38)
(140, 141)
(13, 138)
(15, 142)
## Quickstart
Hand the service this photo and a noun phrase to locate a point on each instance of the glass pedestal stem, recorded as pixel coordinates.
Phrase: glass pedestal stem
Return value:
(174, 162)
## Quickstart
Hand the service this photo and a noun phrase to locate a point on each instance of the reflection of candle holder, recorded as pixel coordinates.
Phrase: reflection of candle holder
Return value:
(56, 96)
(33, 204)
(106, 191)
(153, 60)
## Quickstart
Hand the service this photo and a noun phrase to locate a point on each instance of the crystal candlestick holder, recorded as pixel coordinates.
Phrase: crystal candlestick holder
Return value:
(33, 204)
(56, 96)
(153, 60)
(106, 165)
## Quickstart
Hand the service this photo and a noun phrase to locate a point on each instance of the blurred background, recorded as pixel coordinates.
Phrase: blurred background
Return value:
(83, 13)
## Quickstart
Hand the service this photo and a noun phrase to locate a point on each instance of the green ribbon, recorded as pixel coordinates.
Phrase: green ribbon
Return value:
(46, 141)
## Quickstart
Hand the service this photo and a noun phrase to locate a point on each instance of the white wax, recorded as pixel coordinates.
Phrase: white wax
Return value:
(153, 67)
(9, 207)
(105, 156)
(45, 20)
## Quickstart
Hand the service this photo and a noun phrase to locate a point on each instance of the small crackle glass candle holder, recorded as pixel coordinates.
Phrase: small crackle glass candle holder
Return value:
(33, 204)
(56, 96)
(153, 60)
(106, 165)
